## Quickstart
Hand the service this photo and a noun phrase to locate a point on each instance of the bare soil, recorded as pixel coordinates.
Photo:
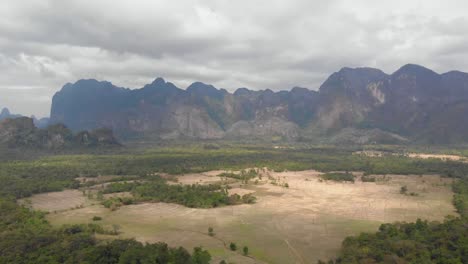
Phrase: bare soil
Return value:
(300, 224)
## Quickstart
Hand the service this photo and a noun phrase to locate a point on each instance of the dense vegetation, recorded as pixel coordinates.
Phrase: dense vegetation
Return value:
(337, 176)
(243, 175)
(156, 189)
(24, 178)
(420, 242)
(26, 237)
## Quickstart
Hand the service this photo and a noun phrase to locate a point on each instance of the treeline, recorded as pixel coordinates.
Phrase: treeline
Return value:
(26, 237)
(419, 242)
(155, 189)
(460, 198)
(24, 178)
(243, 175)
(338, 176)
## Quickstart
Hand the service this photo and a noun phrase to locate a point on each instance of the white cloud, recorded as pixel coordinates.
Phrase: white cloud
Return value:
(257, 44)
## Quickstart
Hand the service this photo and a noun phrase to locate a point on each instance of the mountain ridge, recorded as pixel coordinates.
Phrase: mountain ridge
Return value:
(21, 132)
(410, 103)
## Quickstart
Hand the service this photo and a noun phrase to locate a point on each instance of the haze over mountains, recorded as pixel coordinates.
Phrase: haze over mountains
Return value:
(361, 105)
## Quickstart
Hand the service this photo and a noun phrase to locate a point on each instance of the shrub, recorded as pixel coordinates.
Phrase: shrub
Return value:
(233, 246)
(245, 250)
(403, 189)
(337, 176)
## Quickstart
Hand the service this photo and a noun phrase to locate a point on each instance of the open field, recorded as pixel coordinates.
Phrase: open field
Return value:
(440, 156)
(299, 224)
(57, 201)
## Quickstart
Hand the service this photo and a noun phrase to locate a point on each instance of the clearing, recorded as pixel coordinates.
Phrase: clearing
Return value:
(301, 223)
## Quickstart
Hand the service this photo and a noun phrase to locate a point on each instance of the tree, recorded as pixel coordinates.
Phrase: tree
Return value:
(200, 256)
(210, 231)
(245, 250)
(233, 246)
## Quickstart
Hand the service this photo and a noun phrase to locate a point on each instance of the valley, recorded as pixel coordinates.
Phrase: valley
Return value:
(301, 223)
(283, 203)
(233, 132)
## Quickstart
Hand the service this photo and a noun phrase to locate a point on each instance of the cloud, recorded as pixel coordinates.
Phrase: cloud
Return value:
(257, 44)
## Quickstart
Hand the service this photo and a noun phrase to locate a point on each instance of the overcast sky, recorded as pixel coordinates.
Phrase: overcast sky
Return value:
(257, 44)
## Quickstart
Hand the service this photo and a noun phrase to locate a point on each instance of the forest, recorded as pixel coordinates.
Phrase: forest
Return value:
(22, 178)
(419, 242)
(156, 189)
(26, 237)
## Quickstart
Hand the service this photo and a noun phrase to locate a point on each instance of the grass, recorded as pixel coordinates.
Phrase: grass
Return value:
(280, 228)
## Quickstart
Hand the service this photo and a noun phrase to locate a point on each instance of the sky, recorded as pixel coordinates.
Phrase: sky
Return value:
(258, 44)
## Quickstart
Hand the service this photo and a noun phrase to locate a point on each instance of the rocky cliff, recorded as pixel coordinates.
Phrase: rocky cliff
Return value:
(22, 133)
(361, 105)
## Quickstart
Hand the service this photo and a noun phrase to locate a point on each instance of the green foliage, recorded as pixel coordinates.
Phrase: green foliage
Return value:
(97, 218)
(245, 250)
(156, 189)
(419, 242)
(244, 175)
(116, 202)
(233, 246)
(25, 178)
(200, 256)
(335, 176)
(26, 237)
(460, 199)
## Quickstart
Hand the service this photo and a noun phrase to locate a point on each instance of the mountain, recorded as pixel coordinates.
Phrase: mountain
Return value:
(353, 105)
(5, 113)
(41, 122)
(22, 133)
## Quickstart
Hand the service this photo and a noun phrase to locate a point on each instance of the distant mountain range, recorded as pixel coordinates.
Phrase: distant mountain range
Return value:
(5, 113)
(20, 132)
(40, 123)
(361, 105)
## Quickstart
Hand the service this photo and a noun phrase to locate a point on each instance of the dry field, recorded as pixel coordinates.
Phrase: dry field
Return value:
(445, 157)
(57, 201)
(438, 156)
(299, 224)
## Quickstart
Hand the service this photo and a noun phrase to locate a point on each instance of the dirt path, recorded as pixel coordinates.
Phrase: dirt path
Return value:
(295, 253)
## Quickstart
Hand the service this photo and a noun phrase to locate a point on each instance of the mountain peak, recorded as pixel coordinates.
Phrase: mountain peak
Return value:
(158, 81)
(242, 91)
(414, 69)
(5, 112)
(203, 89)
(352, 79)
(361, 70)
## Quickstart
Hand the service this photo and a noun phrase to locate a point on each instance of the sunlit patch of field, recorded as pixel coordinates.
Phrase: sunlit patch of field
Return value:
(301, 223)
(438, 156)
(444, 157)
(57, 201)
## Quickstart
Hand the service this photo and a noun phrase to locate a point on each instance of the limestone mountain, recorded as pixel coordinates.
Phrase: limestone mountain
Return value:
(22, 133)
(5, 113)
(360, 105)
